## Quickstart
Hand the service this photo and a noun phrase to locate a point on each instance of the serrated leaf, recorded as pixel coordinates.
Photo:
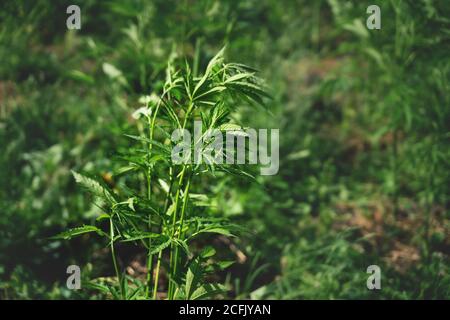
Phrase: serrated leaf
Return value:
(218, 57)
(140, 236)
(103, 216)
(183, 245)
(210, 91)
(94, 186)
(207, 290)
(161, 246)
(78, 231)
(229, 126)
(250, 87)
(239, 76)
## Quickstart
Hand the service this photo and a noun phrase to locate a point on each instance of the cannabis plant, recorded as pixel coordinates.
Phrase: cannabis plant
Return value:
(165, 212)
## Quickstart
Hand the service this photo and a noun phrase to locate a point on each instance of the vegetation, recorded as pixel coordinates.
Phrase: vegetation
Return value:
(364, 148)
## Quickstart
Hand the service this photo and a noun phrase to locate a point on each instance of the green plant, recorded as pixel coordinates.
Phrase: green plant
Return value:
(165, 215)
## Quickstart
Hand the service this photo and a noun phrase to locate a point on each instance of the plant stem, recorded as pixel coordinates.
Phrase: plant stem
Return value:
(185, 201)
(151, 126)
(113, 255)
(149, 193)
(174, 221)
(158, 263)
(173, 250)
(183, 210)
(158, 266)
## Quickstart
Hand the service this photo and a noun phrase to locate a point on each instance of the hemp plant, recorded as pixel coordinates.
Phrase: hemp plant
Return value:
(166, 216)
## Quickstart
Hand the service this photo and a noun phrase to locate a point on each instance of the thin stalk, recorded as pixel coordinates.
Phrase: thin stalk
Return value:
(158, 263)
(151, 126)
(183, 210)
(174, 221)
(185, 201)
(149, 193)
(113, 255)
(173, 250)
(158, 266)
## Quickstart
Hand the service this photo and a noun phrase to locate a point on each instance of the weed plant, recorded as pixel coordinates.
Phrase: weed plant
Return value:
(168, 216)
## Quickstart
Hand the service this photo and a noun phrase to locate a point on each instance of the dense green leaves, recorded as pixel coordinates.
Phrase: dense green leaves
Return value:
(69, 234)
(166, 219)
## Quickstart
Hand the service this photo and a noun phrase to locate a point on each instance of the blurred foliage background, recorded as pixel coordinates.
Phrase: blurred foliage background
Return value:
(364, 119)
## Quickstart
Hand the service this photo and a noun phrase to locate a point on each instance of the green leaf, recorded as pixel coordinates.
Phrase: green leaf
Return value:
(241, 67)
(125, 169)
(94, 186)
(208, 252)
(210, 91)
(218, 230)
(140, 236)
(200, 200)
(97, 286)
(161, 246)
(239, 76)
(103, 216)
(217, 58)
(248, 87)
(207, 290)
(237, 172)
(193, 277)
(225, 264)
(79, 231)
(183, 245)
(80, 76)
